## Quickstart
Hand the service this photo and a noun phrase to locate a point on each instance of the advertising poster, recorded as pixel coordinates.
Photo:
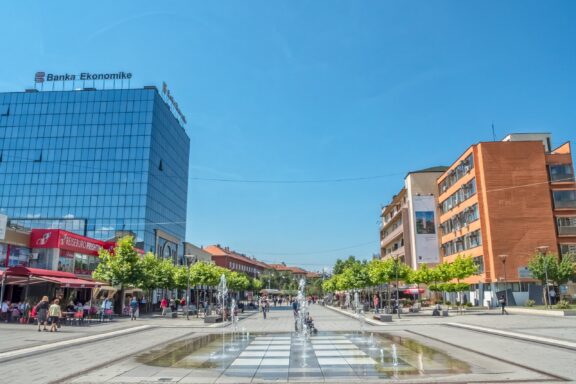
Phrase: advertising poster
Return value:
(425, 230)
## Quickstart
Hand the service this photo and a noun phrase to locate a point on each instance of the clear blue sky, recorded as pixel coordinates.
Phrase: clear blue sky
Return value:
(314, 90)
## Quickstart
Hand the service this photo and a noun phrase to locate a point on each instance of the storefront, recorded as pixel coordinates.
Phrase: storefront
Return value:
(51, 262)
(60, 250)
(15, 248)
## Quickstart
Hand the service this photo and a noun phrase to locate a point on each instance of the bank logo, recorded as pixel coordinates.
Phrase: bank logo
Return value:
(39, 78)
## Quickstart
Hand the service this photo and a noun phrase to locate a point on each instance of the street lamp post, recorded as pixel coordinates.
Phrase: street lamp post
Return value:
(189, 258)
(397, 289)
(503, 260)
(544, 251)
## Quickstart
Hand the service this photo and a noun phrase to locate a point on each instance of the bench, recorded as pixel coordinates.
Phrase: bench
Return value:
(383, 317)
(212, 319)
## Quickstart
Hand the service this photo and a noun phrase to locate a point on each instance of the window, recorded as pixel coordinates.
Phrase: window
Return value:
(4, 109)
(565, 199)
(567, 249)
(463, 243)
(455, 174)
(479, 261)
(561, 172)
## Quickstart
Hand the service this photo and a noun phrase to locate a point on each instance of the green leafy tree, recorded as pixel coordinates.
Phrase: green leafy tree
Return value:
(166, 274)
(462, 267)
(149, 277)
(380, 271)
(202, 273)
(256, 285)
(558, 271)
(120, 267)
(355, 276)
(329, 285)
(315, 287)
(181, 276)
(341, 265)
(237, 281)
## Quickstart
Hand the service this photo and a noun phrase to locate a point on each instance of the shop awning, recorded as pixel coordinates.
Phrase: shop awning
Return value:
(23, 275)
(66, 282)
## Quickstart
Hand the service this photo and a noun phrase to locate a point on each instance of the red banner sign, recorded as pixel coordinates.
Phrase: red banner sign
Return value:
(57, 238)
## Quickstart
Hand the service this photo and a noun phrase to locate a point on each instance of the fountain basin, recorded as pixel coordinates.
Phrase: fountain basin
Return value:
(327, 355)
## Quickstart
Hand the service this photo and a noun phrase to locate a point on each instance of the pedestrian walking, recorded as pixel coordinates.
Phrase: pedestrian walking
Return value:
(263, 306)
(172, 305)
(295, 309)
(552, 296)
(164, 306)
(42, 312)
(106, 309)
(502, 302)
(133, 307)
(55, 313)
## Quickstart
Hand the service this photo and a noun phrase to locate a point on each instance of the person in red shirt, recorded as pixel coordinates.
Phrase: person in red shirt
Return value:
(164, 306)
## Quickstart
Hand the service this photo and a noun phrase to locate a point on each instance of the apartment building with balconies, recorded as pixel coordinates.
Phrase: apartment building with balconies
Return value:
(408, 231)
(499, 201)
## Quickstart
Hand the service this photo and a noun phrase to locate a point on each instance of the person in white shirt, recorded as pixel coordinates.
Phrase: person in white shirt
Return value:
(5, 307)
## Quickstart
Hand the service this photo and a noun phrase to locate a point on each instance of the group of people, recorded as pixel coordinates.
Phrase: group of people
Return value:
(13, 312)
(171, 304)
(48, 313)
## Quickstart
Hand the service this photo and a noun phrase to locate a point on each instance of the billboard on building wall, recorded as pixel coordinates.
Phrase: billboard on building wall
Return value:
(55, 238)
(424, 227)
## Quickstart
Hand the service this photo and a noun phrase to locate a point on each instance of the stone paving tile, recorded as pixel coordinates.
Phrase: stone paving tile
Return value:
(40, 369)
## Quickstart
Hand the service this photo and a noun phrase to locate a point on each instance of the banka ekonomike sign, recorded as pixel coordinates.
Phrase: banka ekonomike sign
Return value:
(42, 77)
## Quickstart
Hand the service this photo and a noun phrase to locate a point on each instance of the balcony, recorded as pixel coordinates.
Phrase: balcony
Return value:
(566, 231)
(397, 253)
(559, 204)
(562, 178)
(392, 235)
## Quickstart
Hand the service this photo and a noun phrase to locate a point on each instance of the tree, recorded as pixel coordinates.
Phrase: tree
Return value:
(203, 273)
(380, 271)
(558, 272)
(181, 277)
(120, 266)
(355, 276)
(256, 284)
(149, 276)
(462, 267)
(341, 265)
(166, 274)
(329, 285)
(237, 281)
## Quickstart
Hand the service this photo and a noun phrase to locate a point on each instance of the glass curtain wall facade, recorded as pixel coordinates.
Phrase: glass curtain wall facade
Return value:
(94, 162)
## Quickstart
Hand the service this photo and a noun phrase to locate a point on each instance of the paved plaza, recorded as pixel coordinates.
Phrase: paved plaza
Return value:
(479, 346)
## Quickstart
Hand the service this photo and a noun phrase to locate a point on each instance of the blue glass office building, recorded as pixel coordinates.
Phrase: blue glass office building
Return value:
(99, 163)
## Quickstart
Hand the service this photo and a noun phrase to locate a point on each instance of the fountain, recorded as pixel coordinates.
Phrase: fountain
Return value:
(301, 326)
(394, 356)
(359, 313)
(234, 344)
(222, 296)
